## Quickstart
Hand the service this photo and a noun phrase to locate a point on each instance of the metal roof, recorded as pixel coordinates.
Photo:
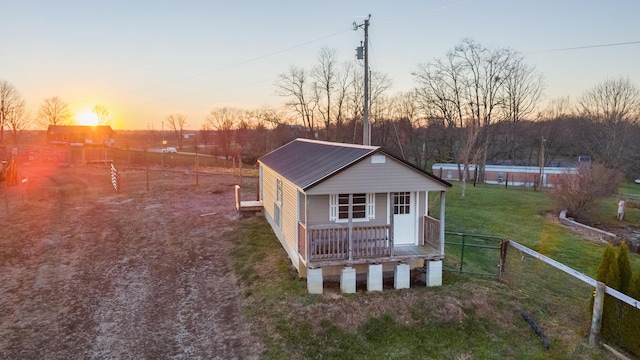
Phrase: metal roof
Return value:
(308, 162)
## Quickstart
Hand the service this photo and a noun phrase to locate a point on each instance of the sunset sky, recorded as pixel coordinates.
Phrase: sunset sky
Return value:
(145, 60)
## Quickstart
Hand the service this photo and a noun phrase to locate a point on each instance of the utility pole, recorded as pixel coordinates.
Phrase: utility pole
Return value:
(366, 132)
(542, 141)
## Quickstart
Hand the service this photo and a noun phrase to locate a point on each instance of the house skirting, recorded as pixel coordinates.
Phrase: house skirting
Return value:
(374, 276)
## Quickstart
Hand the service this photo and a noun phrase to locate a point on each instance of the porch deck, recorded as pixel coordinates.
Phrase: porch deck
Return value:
(334, 245)
(246, 206)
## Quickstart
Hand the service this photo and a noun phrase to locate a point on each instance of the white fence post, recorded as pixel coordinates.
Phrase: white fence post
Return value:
(596, 319)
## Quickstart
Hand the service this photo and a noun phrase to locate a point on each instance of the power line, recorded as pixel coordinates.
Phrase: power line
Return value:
(581, 47)
(261, 57)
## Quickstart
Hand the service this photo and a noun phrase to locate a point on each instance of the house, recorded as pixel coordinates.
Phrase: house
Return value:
(508, 174)
(80, 135)
(343, 210)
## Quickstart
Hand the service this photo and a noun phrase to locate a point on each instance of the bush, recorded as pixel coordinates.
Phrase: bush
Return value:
(630, 327)
(577, 192)
(609, 274)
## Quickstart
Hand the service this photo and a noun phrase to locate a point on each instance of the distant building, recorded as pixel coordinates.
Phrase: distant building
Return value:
(80, 135)
(501, 174)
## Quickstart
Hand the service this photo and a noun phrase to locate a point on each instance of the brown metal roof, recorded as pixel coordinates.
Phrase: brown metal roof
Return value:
(308, 162)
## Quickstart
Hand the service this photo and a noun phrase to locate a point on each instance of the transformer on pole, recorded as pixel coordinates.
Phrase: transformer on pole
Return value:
(363, 52)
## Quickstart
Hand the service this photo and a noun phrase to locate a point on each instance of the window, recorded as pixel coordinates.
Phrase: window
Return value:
(277, 206)
(358, 207)
(401, 203)
(279, 191)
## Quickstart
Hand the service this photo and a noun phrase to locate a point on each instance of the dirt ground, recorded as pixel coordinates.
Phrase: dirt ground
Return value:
(88, 272)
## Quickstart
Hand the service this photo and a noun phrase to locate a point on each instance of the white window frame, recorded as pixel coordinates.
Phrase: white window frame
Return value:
(334, 207)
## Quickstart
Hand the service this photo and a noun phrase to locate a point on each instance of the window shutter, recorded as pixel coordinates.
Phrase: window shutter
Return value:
(371, 206)
(333, 207)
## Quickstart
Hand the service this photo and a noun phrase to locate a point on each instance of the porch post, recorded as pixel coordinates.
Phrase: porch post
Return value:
(306, 228)
(442, 223)
(391, 230)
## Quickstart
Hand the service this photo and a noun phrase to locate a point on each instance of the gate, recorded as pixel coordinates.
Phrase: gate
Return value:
(472, 253)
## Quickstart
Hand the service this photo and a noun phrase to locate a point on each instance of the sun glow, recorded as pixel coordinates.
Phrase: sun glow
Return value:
(86, 117)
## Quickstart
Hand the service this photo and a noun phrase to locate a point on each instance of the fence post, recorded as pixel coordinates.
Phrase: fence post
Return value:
(504, 245)
(596, 320)
(462, 252)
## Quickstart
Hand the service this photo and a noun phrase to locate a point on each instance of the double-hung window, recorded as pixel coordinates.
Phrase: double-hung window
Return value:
(277, 205)
(357, 207)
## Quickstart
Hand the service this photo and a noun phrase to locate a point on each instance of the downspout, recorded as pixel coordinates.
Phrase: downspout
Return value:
(442, 220)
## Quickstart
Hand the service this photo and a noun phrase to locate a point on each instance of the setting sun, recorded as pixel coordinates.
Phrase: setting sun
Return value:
(86, 117)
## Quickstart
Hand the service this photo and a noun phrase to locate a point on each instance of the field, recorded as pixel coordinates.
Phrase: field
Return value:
(173, 272)
(88, 272)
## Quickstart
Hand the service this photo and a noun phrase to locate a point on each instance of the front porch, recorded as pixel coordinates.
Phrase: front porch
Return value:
(330, 245)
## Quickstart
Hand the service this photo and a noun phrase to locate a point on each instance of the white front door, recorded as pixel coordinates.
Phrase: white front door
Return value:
(403, 218)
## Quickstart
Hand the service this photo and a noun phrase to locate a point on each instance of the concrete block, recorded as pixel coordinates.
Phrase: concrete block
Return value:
(314, 281)
(402, 276)
(348, 280)
(374, 277)
(434, 273)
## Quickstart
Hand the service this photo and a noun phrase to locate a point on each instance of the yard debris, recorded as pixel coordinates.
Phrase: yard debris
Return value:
(527, 317)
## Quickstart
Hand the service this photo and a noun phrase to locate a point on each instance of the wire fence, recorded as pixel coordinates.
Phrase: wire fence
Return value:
(472, 254)
(560, 298)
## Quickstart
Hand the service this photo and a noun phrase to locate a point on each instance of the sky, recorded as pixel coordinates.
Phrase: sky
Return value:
(145, 60)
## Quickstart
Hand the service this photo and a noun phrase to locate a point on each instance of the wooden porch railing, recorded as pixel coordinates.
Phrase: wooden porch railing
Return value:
(432, 232)
(332, 242)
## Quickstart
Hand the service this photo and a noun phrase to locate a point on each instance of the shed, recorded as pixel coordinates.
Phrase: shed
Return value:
(344, 209)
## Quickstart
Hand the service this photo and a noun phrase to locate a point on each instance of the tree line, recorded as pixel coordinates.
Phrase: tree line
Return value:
(15, 119)
(475, 105)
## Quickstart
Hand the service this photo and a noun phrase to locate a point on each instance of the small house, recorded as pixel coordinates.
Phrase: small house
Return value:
(345, 210)
(80, 135)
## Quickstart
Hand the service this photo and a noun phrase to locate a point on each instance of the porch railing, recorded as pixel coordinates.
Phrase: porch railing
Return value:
(332, 242)
(432, 232)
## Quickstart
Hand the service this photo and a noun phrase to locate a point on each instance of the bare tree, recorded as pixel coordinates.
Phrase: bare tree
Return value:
(611, 101)
(558, 108)
(295, 84)
(17, 121)
(523, 89)
(223, 120)
(610, 111)
(10, 102)
(104, 118)
(468, 87)
(343, 88)
(325, 77)
(54, 111)
(177, 123)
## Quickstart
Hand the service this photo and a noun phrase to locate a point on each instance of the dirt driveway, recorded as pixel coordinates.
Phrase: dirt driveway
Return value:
(86, 272)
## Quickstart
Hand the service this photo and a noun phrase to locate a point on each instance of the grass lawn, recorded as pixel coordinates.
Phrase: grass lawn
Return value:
(469, 317)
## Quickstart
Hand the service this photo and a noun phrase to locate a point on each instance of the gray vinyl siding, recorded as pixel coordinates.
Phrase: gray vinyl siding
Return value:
(318, 208)
(391, 176)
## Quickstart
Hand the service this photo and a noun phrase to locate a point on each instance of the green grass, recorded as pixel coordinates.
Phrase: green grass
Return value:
(467, 318)
(520, 214)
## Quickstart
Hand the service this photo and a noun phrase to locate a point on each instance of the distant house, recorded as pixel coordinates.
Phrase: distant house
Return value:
(507, 174)
(80, 135)
(343, 209)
